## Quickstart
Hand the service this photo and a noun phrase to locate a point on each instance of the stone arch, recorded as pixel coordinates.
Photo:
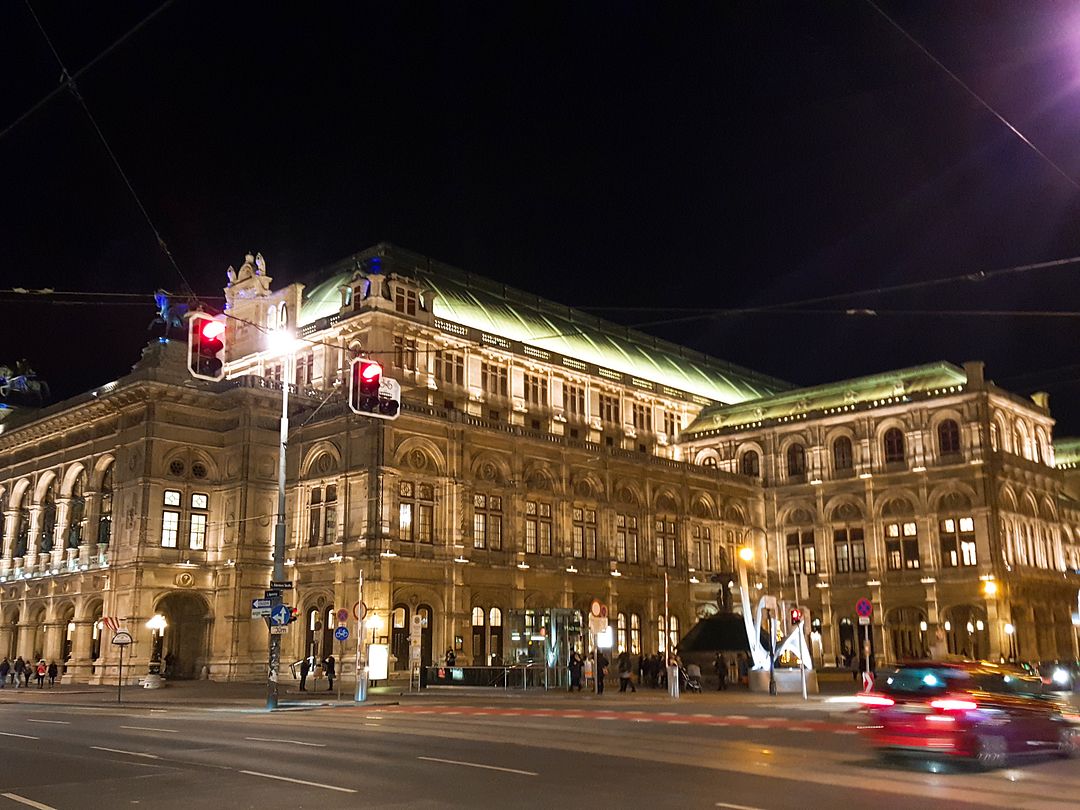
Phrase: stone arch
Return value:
(539, 477)
(897, 502)
(1028, 506)
(665, 499)
(91, 608)
(798, 513)
(882, 428)
(70, 476)
(845, 509)
(103, 463)
(46, 480)
(956, 496)
(420, 454)
(1007, 498)
(18, 492)
(588, 486)
(707, 458)
(734, 513)
(703, 506)
(62, 609)
(908, 632)
(1047, 510)
(1022, 438)
(543, 599)
(314, 465)
(628, 493)
(186, 640)
(490, 467)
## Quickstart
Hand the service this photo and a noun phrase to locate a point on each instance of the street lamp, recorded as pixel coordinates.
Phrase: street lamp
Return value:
(156, 625)
(1010, 633)
(374, 622)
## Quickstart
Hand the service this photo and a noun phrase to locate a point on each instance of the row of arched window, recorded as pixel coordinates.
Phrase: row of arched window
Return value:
(894, 452)
(72, 533)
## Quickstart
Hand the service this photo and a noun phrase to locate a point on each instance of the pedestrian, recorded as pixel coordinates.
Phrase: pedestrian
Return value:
(451, 658)
(720, 665)
(53, 672)
(626, 672)
(305, 668)
(576, 667)
(170, 661)
(601, 671)
(5, 668)
(588, 670)
(18, 671)
(330, 668)
(41, 671)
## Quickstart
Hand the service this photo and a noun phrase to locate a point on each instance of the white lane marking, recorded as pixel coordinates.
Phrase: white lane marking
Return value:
(290, 742)
(702, 714)
(54, 722)
(478, 765)
(737, 717)
(148, 728)
(678, 722)
(23, 736)
(800, 728)
(845, 731)
(736, 806)
(373, 724)
(15, 797)
(299, 781)
(129, 753)
(756, 725)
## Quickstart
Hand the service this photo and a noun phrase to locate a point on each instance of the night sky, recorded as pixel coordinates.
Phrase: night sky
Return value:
(632, 159)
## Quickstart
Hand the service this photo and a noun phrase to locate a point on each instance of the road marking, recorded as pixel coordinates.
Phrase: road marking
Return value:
(15, 797)
(800, 728)
(23, 736)
(373, 724)
(290, 742)
(129, 753)
(737, 717)
(299, 781)
(54, 722)
(756, 725)
(678, 722)
(478, 765)
(736, 806)
(148, 728)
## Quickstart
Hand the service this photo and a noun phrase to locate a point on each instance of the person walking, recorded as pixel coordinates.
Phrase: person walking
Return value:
(330, 668)
(721, 667)
(451, 658)
(19, 671)
(305, 668)
(54, 670)
(601, 670)
(41, 671)
(576, 667)
(626, 673)
(5, 668)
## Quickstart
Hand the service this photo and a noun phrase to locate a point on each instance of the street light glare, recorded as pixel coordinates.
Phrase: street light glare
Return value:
(990, 587)
(746, 554)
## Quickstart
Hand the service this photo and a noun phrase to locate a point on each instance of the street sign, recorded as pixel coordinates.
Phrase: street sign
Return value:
(279, 616)
(594, 609)
(598, 624)
(341, 634)
(359, 611)
(271, 594)
(284, 584)
(343, 616)
(122, 639)
(864, 607)
(864, 620)
(261, 613)
(279, 629)
(261, 603)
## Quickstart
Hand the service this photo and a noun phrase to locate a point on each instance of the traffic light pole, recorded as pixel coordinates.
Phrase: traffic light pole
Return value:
(279, 535)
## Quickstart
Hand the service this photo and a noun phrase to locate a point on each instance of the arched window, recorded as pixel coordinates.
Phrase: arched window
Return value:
(796, 460)
(48, 518)
(621, 640)
(635, 634)
(76, 523)
(842, 455)
(105, 500)
(894, 446)
(478, 636)
(948, 436)
(22, 527)
(750, 464)
(709, 461)
(495, 636)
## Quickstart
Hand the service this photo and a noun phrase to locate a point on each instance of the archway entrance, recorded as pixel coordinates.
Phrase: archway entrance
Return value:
(907, 633)
(186, 642)
(966, 632)
(399, 636)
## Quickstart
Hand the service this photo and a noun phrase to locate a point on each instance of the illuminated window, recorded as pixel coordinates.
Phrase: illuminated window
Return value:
(801, 552)
(330, 514)
(902, 546)
(315, 520)
(537, 527)
(405, 300)
(701, 555)
(957, 537)
(635, 634)
(626, 538)
(197, 532)
(665, 543)
(849, 548)
(584, 533)
(487, 521)
(621, 633)
(416, 512)
(170, 528)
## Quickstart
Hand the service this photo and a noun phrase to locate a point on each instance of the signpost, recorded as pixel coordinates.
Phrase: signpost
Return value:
(865, 609)
(260, 608)
(121, 639)
(279, 619)
(342, 635)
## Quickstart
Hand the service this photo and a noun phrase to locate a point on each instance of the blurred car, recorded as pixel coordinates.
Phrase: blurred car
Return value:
(972, 710)
(1059, 676)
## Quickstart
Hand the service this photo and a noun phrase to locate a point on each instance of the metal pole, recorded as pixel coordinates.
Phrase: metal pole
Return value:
(279, 535)
(120, 674)
(361, 676)
(802, 659)
(667, 623)
(772, 651)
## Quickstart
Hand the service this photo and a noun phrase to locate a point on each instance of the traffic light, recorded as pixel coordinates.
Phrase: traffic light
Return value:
(294, 614)
(796, 615)
(370, 394)
(206, 346)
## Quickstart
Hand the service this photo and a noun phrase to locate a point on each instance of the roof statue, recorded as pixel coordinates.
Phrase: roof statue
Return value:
(250, 281)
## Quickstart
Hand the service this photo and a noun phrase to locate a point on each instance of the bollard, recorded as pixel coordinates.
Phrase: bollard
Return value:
(673, 682)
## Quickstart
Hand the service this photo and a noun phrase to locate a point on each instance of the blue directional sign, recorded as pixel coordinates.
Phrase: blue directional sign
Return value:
(279, 616)
(341, 634)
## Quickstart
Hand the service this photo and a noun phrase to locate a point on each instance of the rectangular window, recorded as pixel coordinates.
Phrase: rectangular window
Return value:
(487, 521)
(642, 416)
(493, 379)
(536, 390)
(170, 528)
(849, 550)
(330, 514)
(538, 532)
(416, 513)
(666, 548)
(671, 425)
(801, 552)
(450, 368)
(172, 497)
(405, 352)
(701, 554)
(584, 533)
(626, 538)
(199, 500)
(574, 401)
(957, 536)
(609, 408)
(315, 517)
(197, 533)
(902, 546)
(405, 301)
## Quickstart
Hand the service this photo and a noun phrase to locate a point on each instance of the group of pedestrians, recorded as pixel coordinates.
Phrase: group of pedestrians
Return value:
(318, 669)
(20, 673)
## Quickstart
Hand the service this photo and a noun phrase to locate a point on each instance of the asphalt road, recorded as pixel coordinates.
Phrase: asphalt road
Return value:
(475, 752)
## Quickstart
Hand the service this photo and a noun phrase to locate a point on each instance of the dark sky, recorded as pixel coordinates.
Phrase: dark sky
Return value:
(660, 155)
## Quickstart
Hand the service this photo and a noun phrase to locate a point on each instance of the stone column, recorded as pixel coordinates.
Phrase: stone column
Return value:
(63, 509)
(6, 632)
(79, 666)
(54, 641)
(25, 644)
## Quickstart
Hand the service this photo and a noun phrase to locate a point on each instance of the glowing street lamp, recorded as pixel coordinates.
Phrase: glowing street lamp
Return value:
(156, 625)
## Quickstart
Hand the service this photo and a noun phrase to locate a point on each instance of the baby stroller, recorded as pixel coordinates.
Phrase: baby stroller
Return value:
(690, 678)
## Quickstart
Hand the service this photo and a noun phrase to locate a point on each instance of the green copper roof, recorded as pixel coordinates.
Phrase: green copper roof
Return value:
(892, 386)
(1066, 453)
(486, 305)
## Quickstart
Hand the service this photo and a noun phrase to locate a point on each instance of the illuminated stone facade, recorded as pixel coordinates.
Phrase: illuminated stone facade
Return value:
(543, 458)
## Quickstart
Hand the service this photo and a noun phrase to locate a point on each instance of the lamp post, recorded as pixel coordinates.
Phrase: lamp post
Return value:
(1010, 634)
(156, 625)
(280, 341)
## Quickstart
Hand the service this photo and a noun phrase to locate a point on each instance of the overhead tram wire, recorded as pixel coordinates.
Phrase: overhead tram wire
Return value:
(69, 81)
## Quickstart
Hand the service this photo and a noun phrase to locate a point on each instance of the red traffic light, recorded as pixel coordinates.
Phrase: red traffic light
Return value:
(206, 346)
(370, 393)
(796, 615)
(213, 329)
(370, 371)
